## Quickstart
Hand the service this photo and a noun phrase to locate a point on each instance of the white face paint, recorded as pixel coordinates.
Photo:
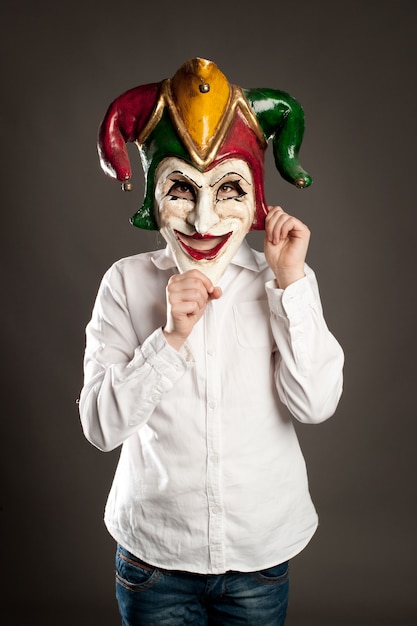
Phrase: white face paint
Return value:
(204, 216)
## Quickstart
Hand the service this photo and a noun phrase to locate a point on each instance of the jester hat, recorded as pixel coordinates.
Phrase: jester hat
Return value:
(198, 116)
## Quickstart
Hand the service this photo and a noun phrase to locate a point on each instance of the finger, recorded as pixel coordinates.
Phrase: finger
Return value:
(294, 228)
(197, 296)
(195, 275)
(274, 209)
(287, 224)
(185, 308)
(281, 225)
(184, 284)
(275, 225)
(216, 293)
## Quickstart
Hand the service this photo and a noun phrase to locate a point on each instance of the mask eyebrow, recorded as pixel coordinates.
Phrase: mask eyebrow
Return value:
(216, 182)
(179, 173)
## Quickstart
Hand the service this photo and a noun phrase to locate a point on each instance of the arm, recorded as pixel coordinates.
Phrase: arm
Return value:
(309, 375)
(123, 381)
(309, 372)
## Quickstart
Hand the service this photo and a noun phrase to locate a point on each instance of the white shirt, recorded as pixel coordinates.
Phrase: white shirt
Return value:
(210, 477)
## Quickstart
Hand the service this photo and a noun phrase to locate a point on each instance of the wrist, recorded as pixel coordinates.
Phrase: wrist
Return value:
(173, 339)
(285, 278)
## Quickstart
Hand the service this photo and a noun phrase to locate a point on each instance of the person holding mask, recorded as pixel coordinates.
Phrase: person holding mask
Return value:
(199, 356)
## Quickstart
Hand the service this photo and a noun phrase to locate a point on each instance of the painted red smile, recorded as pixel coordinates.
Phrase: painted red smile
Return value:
(202, 254)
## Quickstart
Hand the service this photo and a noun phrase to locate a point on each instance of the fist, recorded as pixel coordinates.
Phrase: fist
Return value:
(285, 246)
(187, 296)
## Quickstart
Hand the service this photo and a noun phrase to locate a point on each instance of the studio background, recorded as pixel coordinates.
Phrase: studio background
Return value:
(63, 223)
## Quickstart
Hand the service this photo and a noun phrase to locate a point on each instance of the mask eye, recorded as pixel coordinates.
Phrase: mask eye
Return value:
(230, 190)
(181, 190)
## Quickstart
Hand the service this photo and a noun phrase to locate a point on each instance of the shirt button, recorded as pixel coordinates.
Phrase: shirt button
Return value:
(210, 352)
(213, 459)
(212, 404)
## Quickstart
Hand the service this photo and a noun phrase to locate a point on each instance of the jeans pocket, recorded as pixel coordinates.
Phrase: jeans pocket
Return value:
(132, 573)
(276, 575)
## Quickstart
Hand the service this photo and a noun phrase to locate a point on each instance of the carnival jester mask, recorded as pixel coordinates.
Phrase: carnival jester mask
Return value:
(202, 143)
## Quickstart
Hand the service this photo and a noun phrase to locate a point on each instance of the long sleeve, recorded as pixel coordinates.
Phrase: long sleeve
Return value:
(123, 381)
(309, 373)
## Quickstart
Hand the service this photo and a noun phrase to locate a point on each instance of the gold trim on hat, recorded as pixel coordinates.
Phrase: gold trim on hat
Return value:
(202, 105)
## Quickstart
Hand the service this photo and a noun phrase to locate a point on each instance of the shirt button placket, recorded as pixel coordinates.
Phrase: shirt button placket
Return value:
(216, 534)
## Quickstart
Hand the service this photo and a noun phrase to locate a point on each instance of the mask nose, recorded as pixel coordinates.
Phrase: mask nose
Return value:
(203, 217)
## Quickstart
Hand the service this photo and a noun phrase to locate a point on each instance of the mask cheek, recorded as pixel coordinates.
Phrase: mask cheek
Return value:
(241, 227)
(239, 212)
(173, 210)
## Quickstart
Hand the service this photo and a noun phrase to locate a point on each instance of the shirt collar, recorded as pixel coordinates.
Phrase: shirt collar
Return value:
(244, 257)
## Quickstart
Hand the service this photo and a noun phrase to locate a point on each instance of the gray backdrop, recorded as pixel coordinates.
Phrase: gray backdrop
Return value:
(352, 66)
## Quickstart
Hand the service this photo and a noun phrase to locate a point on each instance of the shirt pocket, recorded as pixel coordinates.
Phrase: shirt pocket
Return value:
(253, 329)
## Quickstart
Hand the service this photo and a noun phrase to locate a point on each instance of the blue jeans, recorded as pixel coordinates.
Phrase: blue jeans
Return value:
(149, 596)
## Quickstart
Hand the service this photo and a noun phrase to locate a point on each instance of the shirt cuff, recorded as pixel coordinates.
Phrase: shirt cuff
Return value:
(290, 302)
(171, 364)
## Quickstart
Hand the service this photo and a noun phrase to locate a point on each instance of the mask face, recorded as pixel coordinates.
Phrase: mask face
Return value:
(204, 216)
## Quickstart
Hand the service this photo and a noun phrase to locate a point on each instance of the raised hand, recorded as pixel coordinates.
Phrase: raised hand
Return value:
(285, 246)
(187, 298)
